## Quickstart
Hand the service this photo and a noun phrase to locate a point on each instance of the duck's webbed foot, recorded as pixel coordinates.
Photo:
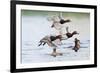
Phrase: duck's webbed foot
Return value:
(39, 44)
(75, 49)
(44, 43)
(54, 53)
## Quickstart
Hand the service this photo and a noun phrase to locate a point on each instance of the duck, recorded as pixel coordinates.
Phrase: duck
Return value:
(49, 41)
(62, 20)
(77, 45)
(58, 21)
(69, 34)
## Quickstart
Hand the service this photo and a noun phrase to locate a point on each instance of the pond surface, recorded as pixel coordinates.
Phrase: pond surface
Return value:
(35, 26)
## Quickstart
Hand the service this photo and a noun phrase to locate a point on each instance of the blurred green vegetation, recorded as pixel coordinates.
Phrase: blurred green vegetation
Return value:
(51, 13)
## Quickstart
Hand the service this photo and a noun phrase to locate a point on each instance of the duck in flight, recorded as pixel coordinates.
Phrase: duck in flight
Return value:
(61, 20)
(69, 34)
(49, 41)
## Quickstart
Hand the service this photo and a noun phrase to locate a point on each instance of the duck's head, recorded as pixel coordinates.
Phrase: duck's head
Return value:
(75, 39)
(75, 32)
(68, 20)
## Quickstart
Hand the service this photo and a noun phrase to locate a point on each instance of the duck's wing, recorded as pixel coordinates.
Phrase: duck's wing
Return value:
(67, 29)
(60, 15)
(50, 43)
(49, 18)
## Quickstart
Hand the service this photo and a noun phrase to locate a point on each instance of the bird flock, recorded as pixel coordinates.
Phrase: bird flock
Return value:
(50, 39)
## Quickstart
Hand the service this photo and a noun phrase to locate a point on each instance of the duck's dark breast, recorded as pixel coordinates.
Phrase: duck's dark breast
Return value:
(62, 21)
(52, 38)
(68, 35)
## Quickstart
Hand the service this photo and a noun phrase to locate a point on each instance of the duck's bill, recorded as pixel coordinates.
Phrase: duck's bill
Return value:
(68, 20)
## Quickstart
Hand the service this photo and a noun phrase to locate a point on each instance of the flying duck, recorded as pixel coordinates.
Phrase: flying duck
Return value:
(69, 34)
(49, 41)
(58, 21)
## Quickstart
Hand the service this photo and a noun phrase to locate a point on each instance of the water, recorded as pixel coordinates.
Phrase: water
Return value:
(31, 54)
(35, 26)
